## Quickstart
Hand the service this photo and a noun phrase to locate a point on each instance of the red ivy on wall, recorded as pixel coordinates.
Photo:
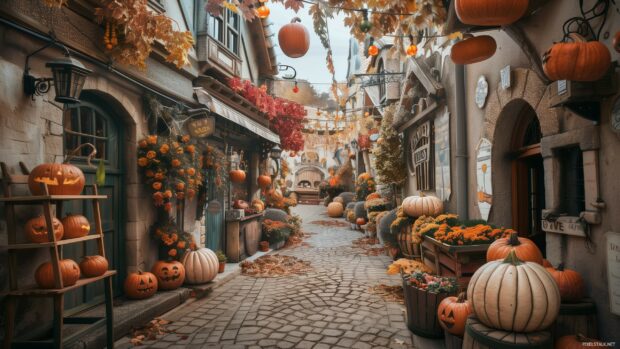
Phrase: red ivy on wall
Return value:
(285, 117)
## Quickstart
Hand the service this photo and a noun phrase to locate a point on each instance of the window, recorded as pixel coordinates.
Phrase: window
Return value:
(421, 159)
(225, 29)
(87, 124)
(572, 189)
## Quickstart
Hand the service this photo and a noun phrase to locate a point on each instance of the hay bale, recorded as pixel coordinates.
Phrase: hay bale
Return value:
(347, 197)
(383, 228)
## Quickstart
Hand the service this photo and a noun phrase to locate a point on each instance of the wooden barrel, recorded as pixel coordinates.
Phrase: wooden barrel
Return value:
(451, 341)
(576, 318)
(407, 247)
(479, 336)
(421, 308)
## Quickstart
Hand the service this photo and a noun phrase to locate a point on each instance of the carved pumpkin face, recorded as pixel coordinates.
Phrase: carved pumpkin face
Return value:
(170, 275)
(453, 313)
(69, 271)
(140, 285)
(36, 229)
(61, 179)
(76, 226)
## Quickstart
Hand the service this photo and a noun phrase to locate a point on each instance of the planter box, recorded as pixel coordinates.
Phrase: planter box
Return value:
(421, 307)
(457, 261)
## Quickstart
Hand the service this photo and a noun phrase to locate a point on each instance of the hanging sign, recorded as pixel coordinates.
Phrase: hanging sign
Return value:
(483, 177)
(564, 225)
(201, 128)
(613, 271)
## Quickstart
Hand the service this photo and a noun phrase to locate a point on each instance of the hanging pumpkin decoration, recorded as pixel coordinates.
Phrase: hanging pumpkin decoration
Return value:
(36, 229)
(140, 285)
(263, 181)
(412, 50)
(423, 205)
(93, 266)
(579, 341)
(61, 179)
(263, 11)
(76, 226)
(201, 266)
(490, 12)
(294, 39)
(569, 282)
(577, 61)
(170, 274)
(525, 249)
(452, 313)
(335, 209)
(69, 271)
(473, 50)
(514, 296)
(237, 176)
(373, 50)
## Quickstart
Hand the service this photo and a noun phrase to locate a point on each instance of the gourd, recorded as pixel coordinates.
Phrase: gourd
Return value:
(170, 274)
(93, 266)
(201, 266)
(577, 61)
(490, 12)
(513, 295)
(294, 39)
(69, 271)
(335, 209)
(76, 226)
(36, 229)
(140, 285)
(525, 249)
(423, 205)
(473, 50)
(452, 313)
(569, 282)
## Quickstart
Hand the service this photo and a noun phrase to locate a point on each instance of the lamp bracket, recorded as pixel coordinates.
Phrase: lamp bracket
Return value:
(36, 86)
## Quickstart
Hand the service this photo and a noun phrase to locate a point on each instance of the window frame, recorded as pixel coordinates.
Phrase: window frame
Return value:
(224, 19)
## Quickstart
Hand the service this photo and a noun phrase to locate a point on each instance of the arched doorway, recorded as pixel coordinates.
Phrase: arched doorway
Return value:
(93, 121)
(528, 182)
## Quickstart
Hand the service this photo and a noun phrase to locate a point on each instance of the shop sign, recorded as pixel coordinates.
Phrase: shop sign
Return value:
(613, 271)
(564, 225)
(201, 128)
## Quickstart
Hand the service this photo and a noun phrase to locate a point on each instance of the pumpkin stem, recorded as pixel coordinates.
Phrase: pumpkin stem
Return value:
(577, 38)
(462, 297)
(512, 258)
(295, 19)
(513, 240)
(560, 267)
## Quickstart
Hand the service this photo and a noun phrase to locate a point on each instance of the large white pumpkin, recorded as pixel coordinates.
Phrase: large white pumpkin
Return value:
(513, 295)
(201, 266)
(423, 205)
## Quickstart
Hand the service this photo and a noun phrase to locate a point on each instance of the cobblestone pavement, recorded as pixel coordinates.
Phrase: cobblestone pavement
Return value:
(330, 307)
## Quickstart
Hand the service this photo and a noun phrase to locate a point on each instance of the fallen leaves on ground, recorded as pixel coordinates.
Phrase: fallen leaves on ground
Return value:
(366, 245)
(150, 331)
(274, 266)
(331, 223)
(388, 293)
(297, 240)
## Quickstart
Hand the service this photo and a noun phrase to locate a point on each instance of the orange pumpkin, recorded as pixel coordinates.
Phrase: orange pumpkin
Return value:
(473, 50)
(334, 181)
(547, 264)
(61, 179)
(373, 50)
(294, 39)
(69, 271)
(577, 61)
(262, 12)
(360, 221)
(577, 342)
(93, 266)
(490, 12)
(237, 176)
(140, 285)
(363, 177)
(453, 312)
(263, 181)
(170, 274)
(335, 209)
(525, 249)
(36, 229)
(76, 226)
(569, 282)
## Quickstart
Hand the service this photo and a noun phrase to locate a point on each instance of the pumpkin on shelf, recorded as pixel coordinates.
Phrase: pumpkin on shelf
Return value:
(525, 249)
(36, 229)
(473, 50)
(294, 39)
(490, 12)
(61, 179)
(453, 312)
(569, 282)
(237, 176)
(93, 266)
(514, 295)
(263, 181)
(201, 266)
(335, 209)
(423, 205)
(76, 226)
(69, 271)
(578, 341)
(170, 274)
(140, 285)
(579, 60)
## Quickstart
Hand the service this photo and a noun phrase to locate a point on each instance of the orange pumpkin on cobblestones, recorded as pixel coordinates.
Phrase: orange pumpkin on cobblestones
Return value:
(525, 249)
(140, 285)
(453, 312)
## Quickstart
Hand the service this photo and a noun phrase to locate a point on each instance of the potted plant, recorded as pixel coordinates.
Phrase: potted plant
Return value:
(221, 257)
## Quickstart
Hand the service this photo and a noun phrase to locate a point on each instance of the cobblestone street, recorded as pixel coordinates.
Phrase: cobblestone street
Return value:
(328, 307)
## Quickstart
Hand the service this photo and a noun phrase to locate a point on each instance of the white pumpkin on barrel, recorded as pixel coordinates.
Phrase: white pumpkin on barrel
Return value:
(423, 205)
(201, 266)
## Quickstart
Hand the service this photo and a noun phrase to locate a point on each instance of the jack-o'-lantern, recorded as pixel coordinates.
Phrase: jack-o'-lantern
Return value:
(69, 271)
(76, 226)
(453, 312)
(170, 275)
(140, 285)
(36, 229)
(61, 179)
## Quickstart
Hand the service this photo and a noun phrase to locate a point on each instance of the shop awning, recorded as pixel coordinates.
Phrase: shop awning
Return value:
(222, 109)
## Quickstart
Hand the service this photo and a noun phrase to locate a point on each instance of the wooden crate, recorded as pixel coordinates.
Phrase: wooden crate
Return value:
(421, 308)
(457, 261)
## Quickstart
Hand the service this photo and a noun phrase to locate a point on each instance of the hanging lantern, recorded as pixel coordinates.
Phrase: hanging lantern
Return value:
(294, 39)
(262, 12)
(365, 25)
(295, 88)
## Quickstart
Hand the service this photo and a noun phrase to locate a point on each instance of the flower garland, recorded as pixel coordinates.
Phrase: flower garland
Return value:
(170, 167)
(172, 242)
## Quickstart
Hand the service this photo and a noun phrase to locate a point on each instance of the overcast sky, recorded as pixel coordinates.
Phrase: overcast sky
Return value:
(312, 66)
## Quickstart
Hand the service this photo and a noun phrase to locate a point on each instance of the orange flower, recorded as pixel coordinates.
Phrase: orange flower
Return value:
(176, 163)
(185, 139)
(191, 171)
(143, 162)
(152, 139)
(168, 206)
(175, 145)
(156, 185)
(164, 148)
(151, 154)
(180, 195)
(168, 194)
(159, 176)
(192, 245)
(142, 143)
(181, 244)
(150, 173)
(172, 252)
(174, 237)
(180, 186)
(158, 198)
(190, 149)
(181, 172)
